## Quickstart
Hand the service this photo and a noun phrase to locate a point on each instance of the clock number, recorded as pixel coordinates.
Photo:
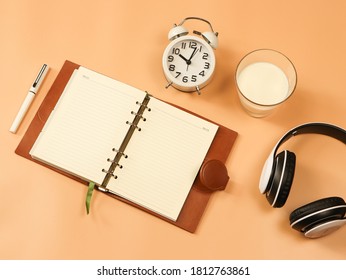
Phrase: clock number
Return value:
(206, 65)
(171, 67)
(205, 55)
(183, 45)
(170, 58)
(178, 74)
(192, 44)
(201, 73)
(175, 51)
(185, 79)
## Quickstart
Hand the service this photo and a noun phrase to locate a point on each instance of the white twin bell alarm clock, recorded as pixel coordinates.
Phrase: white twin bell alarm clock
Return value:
(189, 60)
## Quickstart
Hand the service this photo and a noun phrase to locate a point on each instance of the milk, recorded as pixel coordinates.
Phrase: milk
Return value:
(263, 83)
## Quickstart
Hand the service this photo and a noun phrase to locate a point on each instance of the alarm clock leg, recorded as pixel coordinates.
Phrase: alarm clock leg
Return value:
(168, 85)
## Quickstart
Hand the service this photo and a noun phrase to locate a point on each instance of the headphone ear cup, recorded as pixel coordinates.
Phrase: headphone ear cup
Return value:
(316, 213)
(282, 178)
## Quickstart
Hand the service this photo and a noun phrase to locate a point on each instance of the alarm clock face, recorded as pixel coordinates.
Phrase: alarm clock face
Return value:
(188, 62)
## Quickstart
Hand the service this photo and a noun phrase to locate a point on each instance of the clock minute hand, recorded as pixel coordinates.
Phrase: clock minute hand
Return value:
(193, 54)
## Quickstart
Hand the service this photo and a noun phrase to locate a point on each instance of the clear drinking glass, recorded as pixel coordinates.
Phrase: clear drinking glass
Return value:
(265, 79)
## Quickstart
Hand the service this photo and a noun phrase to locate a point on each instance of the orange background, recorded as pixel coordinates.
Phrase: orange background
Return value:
(42, 214)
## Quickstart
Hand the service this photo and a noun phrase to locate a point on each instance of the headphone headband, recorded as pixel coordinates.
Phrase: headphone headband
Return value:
(333, 131)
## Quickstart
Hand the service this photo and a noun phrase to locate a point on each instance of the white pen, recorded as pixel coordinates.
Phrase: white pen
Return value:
(29, 98)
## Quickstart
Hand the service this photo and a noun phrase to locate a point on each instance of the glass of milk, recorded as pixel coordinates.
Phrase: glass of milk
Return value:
(264, 78)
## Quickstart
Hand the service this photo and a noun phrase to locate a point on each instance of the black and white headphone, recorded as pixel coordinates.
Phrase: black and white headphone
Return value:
(317, 218)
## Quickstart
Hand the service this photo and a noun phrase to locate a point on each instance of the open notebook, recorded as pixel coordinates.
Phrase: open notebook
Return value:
(126, 141)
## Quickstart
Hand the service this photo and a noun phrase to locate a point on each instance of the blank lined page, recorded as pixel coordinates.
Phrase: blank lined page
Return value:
(164, 158)
(87, 122)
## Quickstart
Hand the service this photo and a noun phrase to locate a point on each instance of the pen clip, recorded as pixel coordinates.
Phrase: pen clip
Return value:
(40, 76)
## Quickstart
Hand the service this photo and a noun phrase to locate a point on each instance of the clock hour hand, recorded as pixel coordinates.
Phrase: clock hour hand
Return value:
(187, 60)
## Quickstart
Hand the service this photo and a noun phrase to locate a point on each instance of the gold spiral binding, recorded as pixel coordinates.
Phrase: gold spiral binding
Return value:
(134, 125)
(114, 162)
(109, 173)
(145, 106)
(120, 152)
(139, 115)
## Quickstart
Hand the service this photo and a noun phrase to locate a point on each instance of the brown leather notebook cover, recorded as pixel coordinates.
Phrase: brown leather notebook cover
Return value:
(197, 199)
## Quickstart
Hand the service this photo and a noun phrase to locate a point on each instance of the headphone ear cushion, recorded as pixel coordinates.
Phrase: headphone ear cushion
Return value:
(316, 212)
(282, 178)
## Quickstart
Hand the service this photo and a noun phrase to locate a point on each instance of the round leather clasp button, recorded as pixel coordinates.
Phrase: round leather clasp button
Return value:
(213, 175)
